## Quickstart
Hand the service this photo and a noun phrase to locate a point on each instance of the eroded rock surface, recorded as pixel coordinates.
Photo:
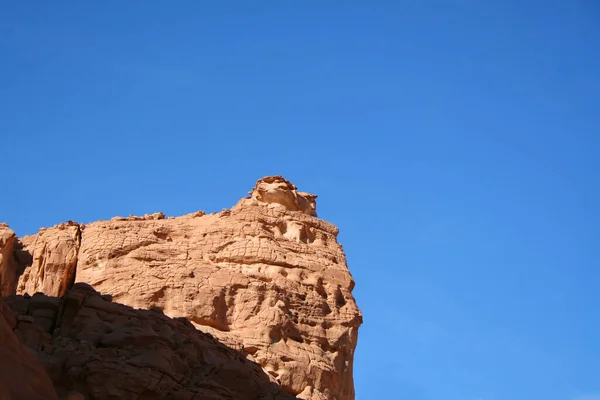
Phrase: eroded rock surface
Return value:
(266, 278)
(95, 349)
(51, 260)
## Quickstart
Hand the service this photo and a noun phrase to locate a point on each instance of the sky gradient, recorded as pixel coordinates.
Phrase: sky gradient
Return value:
(455, 143)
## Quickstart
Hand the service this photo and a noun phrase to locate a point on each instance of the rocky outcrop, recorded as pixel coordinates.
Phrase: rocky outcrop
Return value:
(51, 260)
(266, 278)
(278, 191)
(21, 376)
(93, 348)
(9, 265)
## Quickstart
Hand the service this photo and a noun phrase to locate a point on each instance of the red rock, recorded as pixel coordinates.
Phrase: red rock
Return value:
(8, 262)
(22, 376)
(103, 350)
(53, 260)
(266, 278)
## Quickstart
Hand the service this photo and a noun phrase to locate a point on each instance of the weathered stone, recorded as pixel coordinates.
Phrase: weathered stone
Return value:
(53, 260)
(103, 350)
(266, 278)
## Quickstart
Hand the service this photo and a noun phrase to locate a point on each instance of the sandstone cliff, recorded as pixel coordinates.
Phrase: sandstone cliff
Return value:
(266, 278)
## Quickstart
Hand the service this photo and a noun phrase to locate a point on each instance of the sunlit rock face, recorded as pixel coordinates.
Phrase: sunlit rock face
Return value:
(266, 277)
(275, 190)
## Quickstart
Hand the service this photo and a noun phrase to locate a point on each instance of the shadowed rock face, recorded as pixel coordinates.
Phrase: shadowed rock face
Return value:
(21, 375)
(93, 348)
(267, 278)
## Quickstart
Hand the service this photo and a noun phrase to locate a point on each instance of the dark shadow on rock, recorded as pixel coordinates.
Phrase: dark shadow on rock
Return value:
(15, 262)
(95, 349)
(23, 258)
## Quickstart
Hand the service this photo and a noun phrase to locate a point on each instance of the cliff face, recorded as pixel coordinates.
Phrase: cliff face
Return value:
(9, 265)
(93, 348)
(22, 376)
(266, 278)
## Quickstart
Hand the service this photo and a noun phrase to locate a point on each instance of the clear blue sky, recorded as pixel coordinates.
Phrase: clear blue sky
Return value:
(455, 143)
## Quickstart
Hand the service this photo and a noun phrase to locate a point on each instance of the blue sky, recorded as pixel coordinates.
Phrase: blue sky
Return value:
(455, 143)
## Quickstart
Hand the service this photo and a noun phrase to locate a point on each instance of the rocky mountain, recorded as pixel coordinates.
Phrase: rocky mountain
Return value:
(253, 302)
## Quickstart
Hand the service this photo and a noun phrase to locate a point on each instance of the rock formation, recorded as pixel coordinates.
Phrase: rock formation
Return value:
(53, 260)
(94, 348)
(21, 376)
(9, 265)
(266, 278)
